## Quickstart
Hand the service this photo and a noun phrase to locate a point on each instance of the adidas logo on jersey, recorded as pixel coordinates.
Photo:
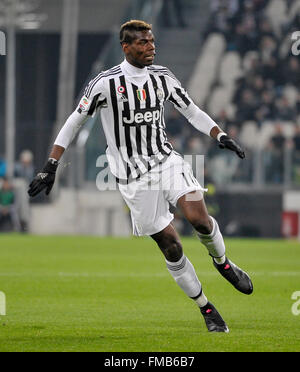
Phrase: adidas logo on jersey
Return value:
(123, 98)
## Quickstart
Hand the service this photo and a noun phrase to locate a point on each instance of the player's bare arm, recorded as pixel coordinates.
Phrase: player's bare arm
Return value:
(57, 152)
(226, 142)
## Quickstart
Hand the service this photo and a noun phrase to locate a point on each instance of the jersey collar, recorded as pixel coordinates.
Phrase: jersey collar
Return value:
(133, 71)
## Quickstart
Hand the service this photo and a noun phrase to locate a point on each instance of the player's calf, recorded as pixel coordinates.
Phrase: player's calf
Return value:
(213, 241)
(169, 243)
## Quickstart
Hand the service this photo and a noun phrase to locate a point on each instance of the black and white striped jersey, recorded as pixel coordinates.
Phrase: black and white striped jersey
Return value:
(131, 104)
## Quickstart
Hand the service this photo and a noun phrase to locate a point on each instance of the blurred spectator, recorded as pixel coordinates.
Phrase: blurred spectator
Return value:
(223, 16)
(283, 110)
(278, 139)
(298, 103)
(241, 40)
(293, 25)
(224, 120)
(9, 219)
(223, 166)
(265, 93)
(24, 168)
(271, 70)
(265, 29)
(296, 156)
(246, 106)
(176, 142)
(296, 138)
(196, 146)
(291, 71)
(265, 111)
(231, 6)
(267, 48)
(2, 167)
(274, 156)
(173, 7)
(257, 85)
(175, 123)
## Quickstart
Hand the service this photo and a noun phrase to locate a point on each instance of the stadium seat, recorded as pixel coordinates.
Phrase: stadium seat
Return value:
(294, 9)
(265, 133)
(291, 93)
(249, 134)
(285, 46)
(288, 129)
(220, 99)
(204, 74)
(230, 68)
(231, 110)
(247, 61)
(277, 13)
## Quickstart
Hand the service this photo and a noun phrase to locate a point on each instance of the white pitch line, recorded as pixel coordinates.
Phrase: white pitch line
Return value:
(140, 275)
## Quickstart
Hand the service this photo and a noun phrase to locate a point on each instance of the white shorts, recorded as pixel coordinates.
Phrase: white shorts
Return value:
(149, 197)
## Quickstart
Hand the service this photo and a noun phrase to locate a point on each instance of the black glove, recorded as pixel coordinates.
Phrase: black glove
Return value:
(44, 180)
(228, 143)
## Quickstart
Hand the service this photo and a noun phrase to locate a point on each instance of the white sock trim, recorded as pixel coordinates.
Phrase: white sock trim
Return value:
(184, 274)
(220, 260)
(173, 265)
(201, 300)
(214, 241)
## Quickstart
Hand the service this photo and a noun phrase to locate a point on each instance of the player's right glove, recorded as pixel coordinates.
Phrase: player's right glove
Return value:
(228, 143)
(45, 179)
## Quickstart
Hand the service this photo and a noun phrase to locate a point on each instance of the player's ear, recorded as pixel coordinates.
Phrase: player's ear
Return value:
(124, 47)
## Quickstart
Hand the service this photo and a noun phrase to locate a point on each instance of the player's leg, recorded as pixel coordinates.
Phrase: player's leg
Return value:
(194, 209)
(185, 276)
(150, 214)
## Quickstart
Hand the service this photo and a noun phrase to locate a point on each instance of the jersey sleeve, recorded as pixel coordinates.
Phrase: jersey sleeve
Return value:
(177, 95)
(93, 97)
(185, 105)
(91, 100)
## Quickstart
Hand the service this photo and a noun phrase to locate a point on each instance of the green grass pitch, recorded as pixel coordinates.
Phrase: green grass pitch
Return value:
(109, 295)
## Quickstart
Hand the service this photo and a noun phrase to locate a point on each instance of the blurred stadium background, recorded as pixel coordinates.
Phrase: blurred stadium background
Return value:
(234, 57)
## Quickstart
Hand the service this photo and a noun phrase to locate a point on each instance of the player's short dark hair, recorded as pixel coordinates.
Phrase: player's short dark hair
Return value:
(128, 29)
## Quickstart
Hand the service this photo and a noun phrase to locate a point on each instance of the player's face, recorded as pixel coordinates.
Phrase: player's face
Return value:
(141, 51)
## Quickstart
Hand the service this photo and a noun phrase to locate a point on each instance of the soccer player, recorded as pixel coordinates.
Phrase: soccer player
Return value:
(130, 98)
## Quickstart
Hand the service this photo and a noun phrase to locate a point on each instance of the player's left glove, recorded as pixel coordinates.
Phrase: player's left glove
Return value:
(228, 143)
(45, 179)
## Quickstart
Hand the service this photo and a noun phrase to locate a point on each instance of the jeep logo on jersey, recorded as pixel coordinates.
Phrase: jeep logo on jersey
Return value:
(142, 117)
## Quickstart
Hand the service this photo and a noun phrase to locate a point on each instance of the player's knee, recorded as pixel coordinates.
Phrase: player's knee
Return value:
(202, 225)
(173, 250)
(170, 247)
